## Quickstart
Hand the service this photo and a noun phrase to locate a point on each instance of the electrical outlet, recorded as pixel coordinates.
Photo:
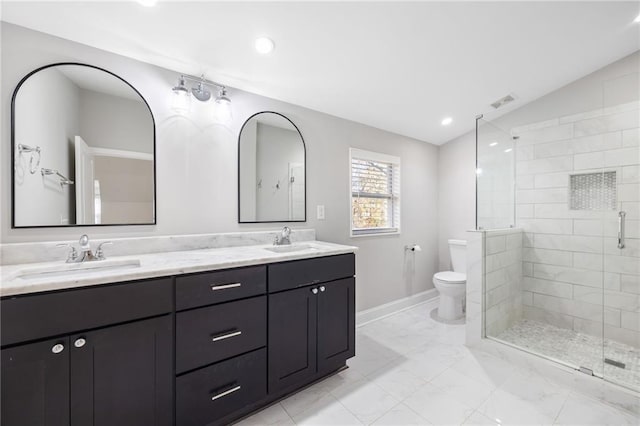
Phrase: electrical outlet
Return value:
(320, 213)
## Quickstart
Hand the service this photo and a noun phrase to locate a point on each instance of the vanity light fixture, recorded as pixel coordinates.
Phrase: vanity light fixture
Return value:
(181, 101)
(200, 92)
(182, 96)
(223, 107)
(264, 45)
(446, 121)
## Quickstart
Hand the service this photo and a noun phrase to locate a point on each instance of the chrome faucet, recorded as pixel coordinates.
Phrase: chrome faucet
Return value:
(86, 255)
(85, 249)
(283, 238)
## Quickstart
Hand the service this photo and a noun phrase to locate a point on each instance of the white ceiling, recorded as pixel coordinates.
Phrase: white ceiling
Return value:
(397, 66)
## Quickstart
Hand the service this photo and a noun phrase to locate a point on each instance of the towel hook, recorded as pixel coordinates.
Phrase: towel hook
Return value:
(26, 148)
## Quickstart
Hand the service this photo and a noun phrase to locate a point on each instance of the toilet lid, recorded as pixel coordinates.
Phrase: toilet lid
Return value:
(451, 277)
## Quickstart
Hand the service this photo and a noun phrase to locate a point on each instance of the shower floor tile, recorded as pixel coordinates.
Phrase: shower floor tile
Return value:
(577, 349)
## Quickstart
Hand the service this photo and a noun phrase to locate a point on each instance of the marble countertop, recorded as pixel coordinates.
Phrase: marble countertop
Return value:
(23, 278)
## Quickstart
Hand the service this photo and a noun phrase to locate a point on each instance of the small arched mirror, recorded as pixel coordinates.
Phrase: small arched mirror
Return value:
(271, 170)
(83, 144)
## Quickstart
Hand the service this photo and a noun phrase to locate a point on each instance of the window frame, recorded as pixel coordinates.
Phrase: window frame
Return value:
(395, 191)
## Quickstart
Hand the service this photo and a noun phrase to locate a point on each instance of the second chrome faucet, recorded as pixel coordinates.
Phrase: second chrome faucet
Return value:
(283, 238)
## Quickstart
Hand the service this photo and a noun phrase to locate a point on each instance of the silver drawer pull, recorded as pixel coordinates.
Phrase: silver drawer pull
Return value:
(226, 336)
(225, 393)
(225, 286)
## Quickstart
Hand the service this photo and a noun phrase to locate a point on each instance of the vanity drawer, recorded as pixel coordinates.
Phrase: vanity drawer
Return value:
(31, 317)
(300, 273)
(207, 335)
(209, 394)
(220, 286)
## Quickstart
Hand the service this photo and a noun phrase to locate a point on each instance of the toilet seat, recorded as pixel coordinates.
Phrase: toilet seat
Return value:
(451, 277)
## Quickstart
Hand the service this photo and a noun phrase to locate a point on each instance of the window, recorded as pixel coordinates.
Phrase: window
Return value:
(375, 193)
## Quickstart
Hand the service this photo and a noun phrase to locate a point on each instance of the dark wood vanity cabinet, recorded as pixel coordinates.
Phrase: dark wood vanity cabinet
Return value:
(221, 339)
(122, 375)
(197, 349)
(311, 326)
(35, 384)
(336, 324)
(292, 338)
(116, 374)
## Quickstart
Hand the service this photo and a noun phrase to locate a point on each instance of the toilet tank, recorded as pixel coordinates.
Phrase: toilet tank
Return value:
(458, 252)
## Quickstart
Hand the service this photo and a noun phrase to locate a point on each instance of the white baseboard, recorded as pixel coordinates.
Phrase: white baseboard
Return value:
(378, 312)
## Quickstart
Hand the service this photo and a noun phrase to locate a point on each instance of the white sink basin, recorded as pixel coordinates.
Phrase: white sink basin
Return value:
(77, 268)
(291, 248)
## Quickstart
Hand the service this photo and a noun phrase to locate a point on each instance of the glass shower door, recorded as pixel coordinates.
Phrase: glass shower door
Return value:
(621, 242)
(495, 177)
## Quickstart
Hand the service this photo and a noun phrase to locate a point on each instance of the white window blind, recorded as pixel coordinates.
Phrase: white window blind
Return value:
(375, 193)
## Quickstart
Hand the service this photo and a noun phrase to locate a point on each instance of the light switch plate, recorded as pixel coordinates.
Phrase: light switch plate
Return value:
(320, 212)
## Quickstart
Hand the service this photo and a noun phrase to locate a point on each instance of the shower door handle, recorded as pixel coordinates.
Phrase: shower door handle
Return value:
(621, 217)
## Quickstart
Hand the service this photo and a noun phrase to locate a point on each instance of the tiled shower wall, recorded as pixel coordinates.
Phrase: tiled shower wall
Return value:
(571, 263)
(503, 279)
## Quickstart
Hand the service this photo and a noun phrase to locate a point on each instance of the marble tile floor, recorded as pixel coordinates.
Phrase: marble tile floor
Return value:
(577, 349)
(412, 370)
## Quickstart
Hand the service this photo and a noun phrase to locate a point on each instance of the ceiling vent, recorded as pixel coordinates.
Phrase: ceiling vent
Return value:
(503, 101)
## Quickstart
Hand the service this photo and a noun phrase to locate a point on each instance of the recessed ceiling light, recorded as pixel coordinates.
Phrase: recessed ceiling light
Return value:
(446, 121)
(493, 144)
(264, 45)
(637, 19)
(148, 3)
(508, 150)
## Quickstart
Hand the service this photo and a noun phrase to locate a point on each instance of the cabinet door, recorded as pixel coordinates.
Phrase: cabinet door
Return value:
(292, 337)
(35, 384)
(122, 375)
(336, 324)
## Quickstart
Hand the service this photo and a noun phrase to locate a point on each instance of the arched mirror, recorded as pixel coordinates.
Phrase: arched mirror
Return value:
(271, 170)
(83, 145)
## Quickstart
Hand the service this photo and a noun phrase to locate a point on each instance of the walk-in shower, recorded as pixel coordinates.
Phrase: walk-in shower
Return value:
(558, 206)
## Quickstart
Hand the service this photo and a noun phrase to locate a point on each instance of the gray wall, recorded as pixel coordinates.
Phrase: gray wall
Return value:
(197, 160)
(456, 193)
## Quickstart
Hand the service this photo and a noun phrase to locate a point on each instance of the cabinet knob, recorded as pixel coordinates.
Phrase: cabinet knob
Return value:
(322, 288)
(314, 290)
(79, 343)
(56, 349)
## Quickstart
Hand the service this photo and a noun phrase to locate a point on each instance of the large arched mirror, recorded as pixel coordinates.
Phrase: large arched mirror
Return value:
(271, 170)
(83, 149)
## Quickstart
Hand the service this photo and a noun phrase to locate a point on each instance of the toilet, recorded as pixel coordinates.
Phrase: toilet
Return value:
(452, 284)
